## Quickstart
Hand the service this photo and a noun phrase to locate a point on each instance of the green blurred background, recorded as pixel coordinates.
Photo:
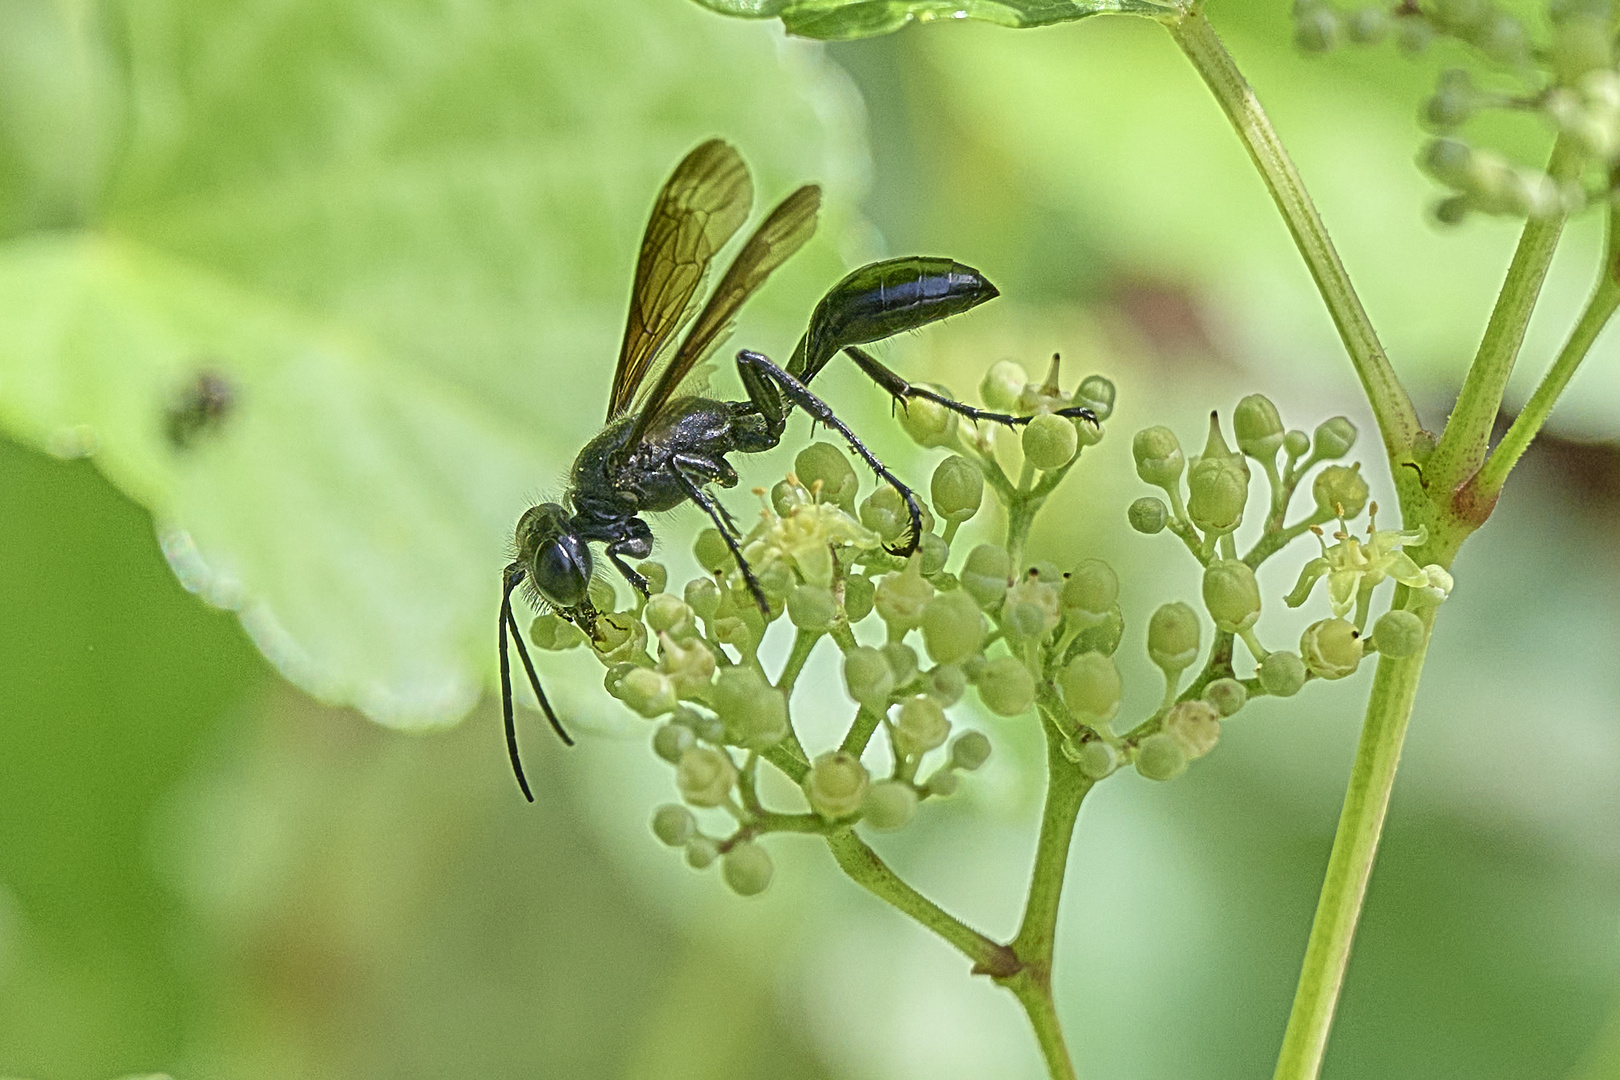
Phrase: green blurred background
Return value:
(205, 872)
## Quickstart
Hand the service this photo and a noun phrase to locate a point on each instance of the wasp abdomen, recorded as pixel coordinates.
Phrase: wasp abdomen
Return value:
(883, 299)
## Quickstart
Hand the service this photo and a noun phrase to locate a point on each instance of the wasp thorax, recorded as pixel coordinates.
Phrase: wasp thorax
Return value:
(556, 559)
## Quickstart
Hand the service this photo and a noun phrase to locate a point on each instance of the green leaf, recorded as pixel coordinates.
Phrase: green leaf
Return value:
(405, 240)
(846, 19)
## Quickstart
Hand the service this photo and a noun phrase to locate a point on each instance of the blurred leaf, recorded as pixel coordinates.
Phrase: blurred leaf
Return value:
(400, 238)
(847, 19)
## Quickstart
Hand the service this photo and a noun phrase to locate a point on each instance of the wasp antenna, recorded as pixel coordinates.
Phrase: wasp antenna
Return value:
(534, 681)
(506, 683)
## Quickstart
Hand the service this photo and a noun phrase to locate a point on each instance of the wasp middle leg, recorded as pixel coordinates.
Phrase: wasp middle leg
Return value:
(689, 473)
(767, 386)
(901, 391)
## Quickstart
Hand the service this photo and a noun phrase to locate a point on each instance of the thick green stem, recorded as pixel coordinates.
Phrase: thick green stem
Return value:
(1599, 310)
(1034, 993)
(1066, 786)
(1462, 445)
(863, 866)
(1345, 885)
(1397, 419)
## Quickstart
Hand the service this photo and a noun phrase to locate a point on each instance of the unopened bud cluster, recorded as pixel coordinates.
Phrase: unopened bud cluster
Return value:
(1561, 68)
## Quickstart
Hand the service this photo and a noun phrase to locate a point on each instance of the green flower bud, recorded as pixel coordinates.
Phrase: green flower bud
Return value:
(859, 595)
(1367, 26)
(1296, 444)
(754, 711)
(1413, 35)
(1148, 515)
(920, 726)
(704, 776)
(785, 495)
(1096, 758)
(1092, 688)
(957, 488)
(1092, 589)
(1003, 385)
(601, 595)
(623, 637)
(1159, 460)
(1006, 687)
(985, 574)
(946, 684)
(701, 851)
(656, 573)
(703, 597)
(1282, 674)
(889, 805)
(647, 692)
(1227, 696)
(812, 607)
(1096, 393)
(705, 726)
(1217, 492)
(1316, 29)
(554, 633)
(970, 750)
(1331, 648)
(952, 627)
(1453, 101)
(690, 666)
(775, 581)
(674, 824)
(884, 512)
(902, 660)
(711, 551)
(615, 675)
(929, 423)
(1160, 757)
(901, 598)
(1173, 638)
(943, 784)
(671, 741)
(735, 630)
(825, 464)
(747, 869)
(868, 677)
(1450, 161)
(1195, 725)
(1398, 633)
(932, 553)
(1030, 608)
(1257, 427)
(1334, 438)
(669, 614)
(1231, 595)
(836, 784)
(1050, 442)
(1504, 40)
(1104, 637)
(1339, 490)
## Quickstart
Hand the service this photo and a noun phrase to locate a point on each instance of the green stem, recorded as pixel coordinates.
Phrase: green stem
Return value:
(1462, 445)
(1345, 885)
(1599, 309)
(1035, 995)
(803, 643)
(860, 732)
(864, 867)
(1397, 419)
(1066, 787)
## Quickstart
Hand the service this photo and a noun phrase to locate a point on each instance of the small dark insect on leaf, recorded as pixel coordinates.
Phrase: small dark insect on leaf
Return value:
(198, 408)
(665, 444)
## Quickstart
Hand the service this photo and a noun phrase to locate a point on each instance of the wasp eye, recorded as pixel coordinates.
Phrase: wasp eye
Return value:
(562, 570)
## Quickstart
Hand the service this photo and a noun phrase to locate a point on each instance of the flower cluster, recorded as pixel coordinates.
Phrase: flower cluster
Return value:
(1562, 71)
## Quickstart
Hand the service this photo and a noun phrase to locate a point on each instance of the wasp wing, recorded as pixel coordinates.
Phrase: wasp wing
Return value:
(702, 204)
(783, 232)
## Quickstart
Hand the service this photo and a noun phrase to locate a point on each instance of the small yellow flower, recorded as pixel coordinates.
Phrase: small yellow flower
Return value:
(805, 537)
(1354, 567)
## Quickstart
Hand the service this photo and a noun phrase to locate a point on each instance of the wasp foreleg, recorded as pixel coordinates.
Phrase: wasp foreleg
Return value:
(755, 369)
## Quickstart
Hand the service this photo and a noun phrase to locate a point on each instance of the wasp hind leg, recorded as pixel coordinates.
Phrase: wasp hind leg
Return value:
(769, 386)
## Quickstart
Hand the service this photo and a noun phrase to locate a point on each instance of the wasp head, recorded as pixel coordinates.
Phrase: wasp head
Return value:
(555, 558)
